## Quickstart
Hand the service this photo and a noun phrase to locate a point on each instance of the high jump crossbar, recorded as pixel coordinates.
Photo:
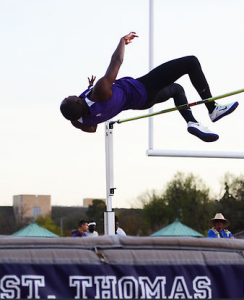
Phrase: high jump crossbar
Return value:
(184, 106)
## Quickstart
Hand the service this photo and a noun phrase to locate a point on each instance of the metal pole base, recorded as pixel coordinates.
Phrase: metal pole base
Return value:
(109, 223)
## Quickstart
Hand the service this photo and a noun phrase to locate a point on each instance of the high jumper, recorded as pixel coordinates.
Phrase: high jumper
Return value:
(109, 96)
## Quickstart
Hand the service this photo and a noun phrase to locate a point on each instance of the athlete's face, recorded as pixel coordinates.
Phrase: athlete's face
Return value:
(78, 105)
(74, 99)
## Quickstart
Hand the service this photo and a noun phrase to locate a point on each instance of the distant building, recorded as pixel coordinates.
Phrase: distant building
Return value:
(88, 201)
(31, 206)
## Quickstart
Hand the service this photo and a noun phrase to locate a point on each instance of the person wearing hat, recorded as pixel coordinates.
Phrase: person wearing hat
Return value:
(219, 224)
(91, 229)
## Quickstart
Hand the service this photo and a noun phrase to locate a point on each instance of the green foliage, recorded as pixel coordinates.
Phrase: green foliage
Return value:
(231, 205)
(156, 212)
(131, 221)
(185, 198)
(47, 223)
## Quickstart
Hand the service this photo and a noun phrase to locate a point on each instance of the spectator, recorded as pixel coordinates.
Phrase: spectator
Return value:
(82, 229)
(91, 229)
(219, 223)
(118, 230)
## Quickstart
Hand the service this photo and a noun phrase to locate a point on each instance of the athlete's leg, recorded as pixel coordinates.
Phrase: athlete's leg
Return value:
(179, 97)
(176, 92)
(169, 72)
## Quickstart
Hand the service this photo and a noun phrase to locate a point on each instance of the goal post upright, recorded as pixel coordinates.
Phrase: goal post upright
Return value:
(176, 153)
(151, 62)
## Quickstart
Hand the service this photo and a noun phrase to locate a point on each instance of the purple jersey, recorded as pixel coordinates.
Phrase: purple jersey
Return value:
(128, 93)
(78, 234)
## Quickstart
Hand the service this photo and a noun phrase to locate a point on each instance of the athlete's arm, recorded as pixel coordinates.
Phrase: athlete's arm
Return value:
(102, 90)
(83, 127)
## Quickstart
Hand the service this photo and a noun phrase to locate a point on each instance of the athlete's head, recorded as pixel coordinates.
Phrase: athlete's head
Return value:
(73, 108)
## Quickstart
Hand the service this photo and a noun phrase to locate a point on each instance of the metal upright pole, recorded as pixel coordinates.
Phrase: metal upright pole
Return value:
(151, 44)
(109, 219)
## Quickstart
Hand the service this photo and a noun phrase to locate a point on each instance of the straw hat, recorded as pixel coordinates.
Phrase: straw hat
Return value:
(219, 216)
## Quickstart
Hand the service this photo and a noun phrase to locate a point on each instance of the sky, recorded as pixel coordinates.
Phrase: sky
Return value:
(50, 47)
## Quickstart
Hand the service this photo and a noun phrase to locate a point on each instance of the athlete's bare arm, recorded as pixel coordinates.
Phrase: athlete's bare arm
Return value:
(83, 127)
(102, 90)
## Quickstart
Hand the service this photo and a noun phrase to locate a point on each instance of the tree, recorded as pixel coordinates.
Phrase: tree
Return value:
(231, 204)
(187, 198)
(7, 221)
(95, 213)
(155, 211)
(47, 223)
(131, 221)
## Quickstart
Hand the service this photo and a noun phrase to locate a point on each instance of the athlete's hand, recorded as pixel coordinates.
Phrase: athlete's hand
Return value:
(129, 37)
(91, 81)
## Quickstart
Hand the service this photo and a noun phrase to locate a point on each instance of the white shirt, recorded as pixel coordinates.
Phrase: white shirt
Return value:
(120, 232)
(92, 234)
